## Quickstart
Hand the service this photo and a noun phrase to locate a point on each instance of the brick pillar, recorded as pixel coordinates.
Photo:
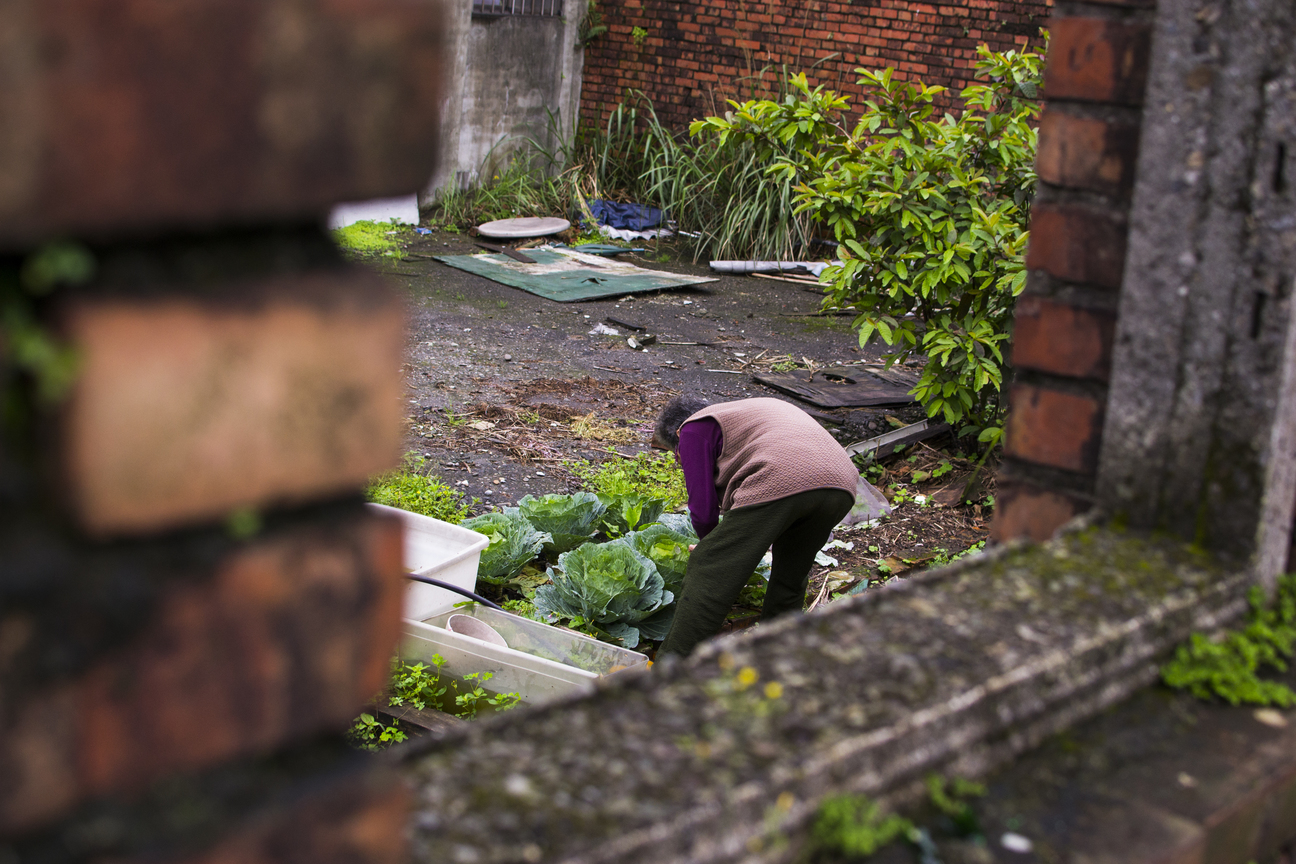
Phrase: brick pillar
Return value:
(194, 601)
(1065, 320)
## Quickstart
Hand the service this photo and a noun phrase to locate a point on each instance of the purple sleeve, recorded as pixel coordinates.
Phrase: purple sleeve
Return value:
(700, 443)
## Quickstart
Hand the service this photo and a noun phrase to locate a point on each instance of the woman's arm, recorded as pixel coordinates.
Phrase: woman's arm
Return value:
(700, 443)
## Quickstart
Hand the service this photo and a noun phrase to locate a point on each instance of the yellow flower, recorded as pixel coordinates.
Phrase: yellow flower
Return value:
(747, 676)
(773, 690)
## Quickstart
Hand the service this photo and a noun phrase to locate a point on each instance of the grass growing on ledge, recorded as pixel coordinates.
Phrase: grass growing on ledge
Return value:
(1226, 668)
(412, 488)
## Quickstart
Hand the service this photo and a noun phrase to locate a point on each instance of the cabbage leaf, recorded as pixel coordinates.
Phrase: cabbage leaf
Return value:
(513, 543)
(609, 585)
(625, 513)
(570, 520)
(666, 548)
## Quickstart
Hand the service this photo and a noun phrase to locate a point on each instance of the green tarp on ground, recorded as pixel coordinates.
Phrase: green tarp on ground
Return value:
(565, 275)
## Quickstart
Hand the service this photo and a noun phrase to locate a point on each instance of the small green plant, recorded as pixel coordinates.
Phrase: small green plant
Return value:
(26, 346)
(412, 488)
(855, 826)
(422, 687)
(1226, 668)
(638, 35)
(370, 238)
(591, 25)
(951, 798)
(368, 733)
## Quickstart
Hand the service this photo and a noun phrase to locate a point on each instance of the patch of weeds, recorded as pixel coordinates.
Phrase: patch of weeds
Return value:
(951, 796)
(369, 733)
(936, 473)
(638, 35)
(1226, 667)
(855, 826)
(370, 238)
(412, 488)
(502, 304)
(524, 608)
(648, 475)
(422, 687)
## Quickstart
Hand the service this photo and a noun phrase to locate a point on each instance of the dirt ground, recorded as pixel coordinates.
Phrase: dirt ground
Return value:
(505, 387)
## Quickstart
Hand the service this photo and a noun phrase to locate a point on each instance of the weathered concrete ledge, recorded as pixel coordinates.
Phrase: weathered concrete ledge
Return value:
(955, 671)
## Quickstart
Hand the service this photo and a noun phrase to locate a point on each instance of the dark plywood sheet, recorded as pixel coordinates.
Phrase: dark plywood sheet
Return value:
(839, 388)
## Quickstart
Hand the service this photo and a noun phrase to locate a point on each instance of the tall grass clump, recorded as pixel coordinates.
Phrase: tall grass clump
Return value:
(718, 190)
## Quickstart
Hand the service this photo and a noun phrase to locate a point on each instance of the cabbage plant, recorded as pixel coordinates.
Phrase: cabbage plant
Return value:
(667, 548)
(513, 543)
(609, 585)
(627, 512)
(570, 520)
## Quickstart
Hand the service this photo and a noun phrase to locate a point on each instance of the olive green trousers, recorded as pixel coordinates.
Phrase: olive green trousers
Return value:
(795, 527)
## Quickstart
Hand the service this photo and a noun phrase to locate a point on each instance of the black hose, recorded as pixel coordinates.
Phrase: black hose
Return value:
(428, 580)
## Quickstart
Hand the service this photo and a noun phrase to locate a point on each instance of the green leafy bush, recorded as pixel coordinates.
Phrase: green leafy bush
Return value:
(931, 215)
(609, 585)
(570, 520)
(411, 488)
(1228, 668)
(513, 544)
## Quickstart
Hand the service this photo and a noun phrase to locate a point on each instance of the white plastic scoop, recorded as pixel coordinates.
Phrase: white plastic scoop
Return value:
(466, 625)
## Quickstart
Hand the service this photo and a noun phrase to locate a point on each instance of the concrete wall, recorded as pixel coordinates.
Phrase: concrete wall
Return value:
(515, 78)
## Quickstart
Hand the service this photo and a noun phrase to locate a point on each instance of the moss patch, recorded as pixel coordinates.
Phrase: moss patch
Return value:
(371, 238)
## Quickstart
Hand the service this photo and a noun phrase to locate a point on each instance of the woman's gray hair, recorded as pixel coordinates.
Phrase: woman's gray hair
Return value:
(672, 417)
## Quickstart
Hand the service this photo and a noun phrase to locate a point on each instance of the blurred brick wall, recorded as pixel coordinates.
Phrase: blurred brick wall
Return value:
(1066, 318)
(697, 55)
(174, 683)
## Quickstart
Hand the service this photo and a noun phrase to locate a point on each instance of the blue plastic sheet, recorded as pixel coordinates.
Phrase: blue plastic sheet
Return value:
(632, 217)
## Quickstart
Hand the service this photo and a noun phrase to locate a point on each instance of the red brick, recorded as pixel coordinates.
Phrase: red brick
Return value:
(1084, 153)
(1049, 427)
(38, 760)
(288, 638)
(1078, 243)
(186, 408)
(1025, 511)
(1096, 60)
(1050, 336)
(135, 116)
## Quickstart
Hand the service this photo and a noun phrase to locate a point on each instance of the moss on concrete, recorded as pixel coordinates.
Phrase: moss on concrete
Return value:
(951, 670)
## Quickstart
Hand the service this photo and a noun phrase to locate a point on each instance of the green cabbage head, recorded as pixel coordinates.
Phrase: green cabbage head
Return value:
(667, 548)
(513, 543)
(611, 585)
(570, 520)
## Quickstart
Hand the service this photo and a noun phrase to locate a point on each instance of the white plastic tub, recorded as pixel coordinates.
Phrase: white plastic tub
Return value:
(540, 663)
(439, 550)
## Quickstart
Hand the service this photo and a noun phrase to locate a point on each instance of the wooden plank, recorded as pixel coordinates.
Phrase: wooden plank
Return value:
(837, 388)
(905, 435)
(436, 722)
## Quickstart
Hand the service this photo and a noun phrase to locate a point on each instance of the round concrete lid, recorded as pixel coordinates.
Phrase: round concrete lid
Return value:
(530, 226)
